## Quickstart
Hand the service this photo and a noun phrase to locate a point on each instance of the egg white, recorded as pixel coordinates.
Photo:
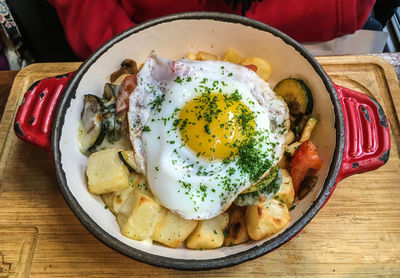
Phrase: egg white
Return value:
(196, 187)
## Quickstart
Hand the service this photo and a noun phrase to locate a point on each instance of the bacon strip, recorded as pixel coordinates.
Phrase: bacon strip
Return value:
(127, 87)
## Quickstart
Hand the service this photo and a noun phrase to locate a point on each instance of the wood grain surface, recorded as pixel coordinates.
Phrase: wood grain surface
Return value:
(357, 233)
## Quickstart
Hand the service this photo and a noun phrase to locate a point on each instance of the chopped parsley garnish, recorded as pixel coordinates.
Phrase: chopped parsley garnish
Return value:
(207, 129)
(146, 128)
(251, 160)
(178, 80)
(155, 104)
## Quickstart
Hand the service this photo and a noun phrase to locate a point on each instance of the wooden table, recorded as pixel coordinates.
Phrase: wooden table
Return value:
(357, 233)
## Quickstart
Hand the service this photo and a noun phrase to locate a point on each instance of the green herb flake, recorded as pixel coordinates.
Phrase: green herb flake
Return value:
(207, 129)
(178, 80)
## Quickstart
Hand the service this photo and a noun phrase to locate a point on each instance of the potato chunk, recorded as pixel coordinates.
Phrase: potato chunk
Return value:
(266, 219)
(209, 233)
(232, 56)
(191, 56)
(236, 231)
(171, 229)
(139, 214)
(286, 191)
(108, 199)
(121, 196)
(205, 56)
(106, 172)
(263, 67)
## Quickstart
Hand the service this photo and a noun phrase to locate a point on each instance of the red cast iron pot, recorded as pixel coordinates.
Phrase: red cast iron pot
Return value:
(50, 110)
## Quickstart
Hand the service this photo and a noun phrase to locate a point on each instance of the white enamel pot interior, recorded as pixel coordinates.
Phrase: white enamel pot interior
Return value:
(173, 37)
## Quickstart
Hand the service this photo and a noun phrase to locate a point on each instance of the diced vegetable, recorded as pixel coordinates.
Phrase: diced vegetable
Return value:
(289, 137)
(108, 199)
(305, 157)
(296, 94)
(110, 92)
(284, 162)
(106, 173)
(266, 219)
(297, 124)
(171, 229)
(308, 128)
(127, 67)
(236, 231)
(292, 148)
(263, 68)
(286, 190)
(191, 56)
(209, 233)
(127, 157)
(205, 56)
(267, 190)
(109, 100)
(138, 215)
(306, 185)
(265, 181)
(232, 56)
(92, 120)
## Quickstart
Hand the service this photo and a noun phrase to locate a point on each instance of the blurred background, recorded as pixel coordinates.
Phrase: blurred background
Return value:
(31, 33)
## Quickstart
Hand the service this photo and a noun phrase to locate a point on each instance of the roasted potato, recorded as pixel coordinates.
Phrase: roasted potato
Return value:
(106, 172)
(236, 231)
(284, 162)
(139, 214)
(191, 56)
(266, 219)
(208, 233)
(171, 229)
(290, 137)
(263, 67)
(108, 199)
(121, 196)
(232, 56)
(205, 56)
(286, 191)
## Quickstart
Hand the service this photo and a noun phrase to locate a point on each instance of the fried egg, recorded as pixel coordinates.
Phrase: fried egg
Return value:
(203, 131)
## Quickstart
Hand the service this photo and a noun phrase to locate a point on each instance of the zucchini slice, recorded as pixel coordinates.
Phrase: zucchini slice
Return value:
(92, 120)
(109, 103)
(290, 149)
(265, 193)
(269, 178)
(296, 94)
(110, 91)
(308, 128)
(128, 159)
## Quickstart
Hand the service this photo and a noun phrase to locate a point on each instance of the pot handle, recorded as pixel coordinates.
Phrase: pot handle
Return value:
(367, 134)
(35, 115)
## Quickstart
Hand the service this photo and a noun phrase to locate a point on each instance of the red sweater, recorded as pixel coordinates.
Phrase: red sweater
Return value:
(90, 23)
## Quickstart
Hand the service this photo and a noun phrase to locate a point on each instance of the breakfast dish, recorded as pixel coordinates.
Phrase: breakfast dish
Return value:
(199, 150)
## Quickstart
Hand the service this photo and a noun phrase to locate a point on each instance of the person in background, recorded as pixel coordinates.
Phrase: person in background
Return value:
(90, 23)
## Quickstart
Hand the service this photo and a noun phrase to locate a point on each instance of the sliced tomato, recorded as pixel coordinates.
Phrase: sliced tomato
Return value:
(305, 157)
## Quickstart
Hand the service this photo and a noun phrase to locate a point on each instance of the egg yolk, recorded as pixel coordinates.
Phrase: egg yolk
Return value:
(214, 124)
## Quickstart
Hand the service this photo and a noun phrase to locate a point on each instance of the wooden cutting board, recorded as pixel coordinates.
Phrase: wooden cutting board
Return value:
(356, 233)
